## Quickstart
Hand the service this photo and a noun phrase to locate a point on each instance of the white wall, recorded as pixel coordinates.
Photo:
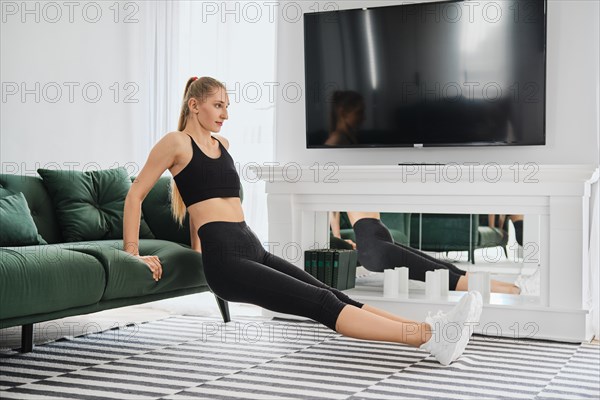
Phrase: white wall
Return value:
(571, 98)
(51, 134)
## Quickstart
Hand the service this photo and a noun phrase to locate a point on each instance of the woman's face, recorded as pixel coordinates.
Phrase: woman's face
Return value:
(358, 116)
(354, 117)
(213, 112)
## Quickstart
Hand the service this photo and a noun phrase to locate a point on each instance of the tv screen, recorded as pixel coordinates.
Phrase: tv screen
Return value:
(451, 73)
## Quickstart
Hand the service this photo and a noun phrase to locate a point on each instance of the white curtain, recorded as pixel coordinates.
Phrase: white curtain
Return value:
(234, 43)
(594, 258)
(162, 44)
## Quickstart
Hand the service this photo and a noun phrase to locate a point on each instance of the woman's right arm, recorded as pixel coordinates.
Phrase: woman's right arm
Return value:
(162, 156)
(334, 221)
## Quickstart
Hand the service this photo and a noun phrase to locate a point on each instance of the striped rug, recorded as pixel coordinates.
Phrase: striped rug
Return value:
(186, 357)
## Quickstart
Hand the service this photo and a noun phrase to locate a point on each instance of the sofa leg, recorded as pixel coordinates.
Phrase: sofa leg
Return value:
(224, 308)
(26, 338)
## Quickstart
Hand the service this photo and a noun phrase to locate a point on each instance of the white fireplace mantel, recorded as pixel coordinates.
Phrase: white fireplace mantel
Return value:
(299, 197)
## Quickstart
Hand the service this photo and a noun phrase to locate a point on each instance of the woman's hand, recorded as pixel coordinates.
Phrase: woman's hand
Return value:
(351, 242)
(153, 264)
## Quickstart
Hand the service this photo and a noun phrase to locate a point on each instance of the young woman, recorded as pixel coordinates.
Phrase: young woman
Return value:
(377, 251)
(347, 113)
(236, 266)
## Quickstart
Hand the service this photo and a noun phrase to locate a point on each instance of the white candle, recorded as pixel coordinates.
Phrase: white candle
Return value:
(480, 281)
(444, 275)
(485, 287)
(473, 282)
(402, 273)
(432, 285)
(390, 283)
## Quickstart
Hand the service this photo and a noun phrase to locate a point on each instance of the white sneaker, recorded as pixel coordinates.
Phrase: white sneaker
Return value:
(451, 332)
(529, 284)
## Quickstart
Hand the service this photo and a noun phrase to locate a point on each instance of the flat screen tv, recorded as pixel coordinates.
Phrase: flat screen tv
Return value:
(453, 73)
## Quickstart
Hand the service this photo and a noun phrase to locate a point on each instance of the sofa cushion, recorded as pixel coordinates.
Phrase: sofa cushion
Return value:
(89, 205)
(129, 277)
(17, 227)
(43, 279)
(492, 237)
(38, 200)
(5, 192)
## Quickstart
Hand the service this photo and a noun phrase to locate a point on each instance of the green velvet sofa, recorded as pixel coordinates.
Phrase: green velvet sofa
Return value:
(61, 279)
(455, 232)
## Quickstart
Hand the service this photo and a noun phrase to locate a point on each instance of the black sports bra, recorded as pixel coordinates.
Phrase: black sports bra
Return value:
(205, 178)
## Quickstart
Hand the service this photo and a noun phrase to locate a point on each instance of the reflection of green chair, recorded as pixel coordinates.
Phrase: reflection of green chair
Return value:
(397, 223)
(458, 232)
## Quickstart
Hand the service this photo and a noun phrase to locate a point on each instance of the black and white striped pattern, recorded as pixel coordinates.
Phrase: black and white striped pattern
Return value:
(579, 377)
(193, 357)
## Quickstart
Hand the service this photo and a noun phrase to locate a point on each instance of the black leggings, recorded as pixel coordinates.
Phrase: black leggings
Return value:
(238, 269)
(377, 251)
(518, 231)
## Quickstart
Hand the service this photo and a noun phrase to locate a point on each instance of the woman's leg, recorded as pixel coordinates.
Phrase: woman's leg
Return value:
(233, 272)
(386, 314)
(463, 282)
(443, 263)
(495, 286)
(377, 252)
(361, 324)
(446, 345)
(238, 269)
(517, 221)
(248, 281)
(284, 266)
